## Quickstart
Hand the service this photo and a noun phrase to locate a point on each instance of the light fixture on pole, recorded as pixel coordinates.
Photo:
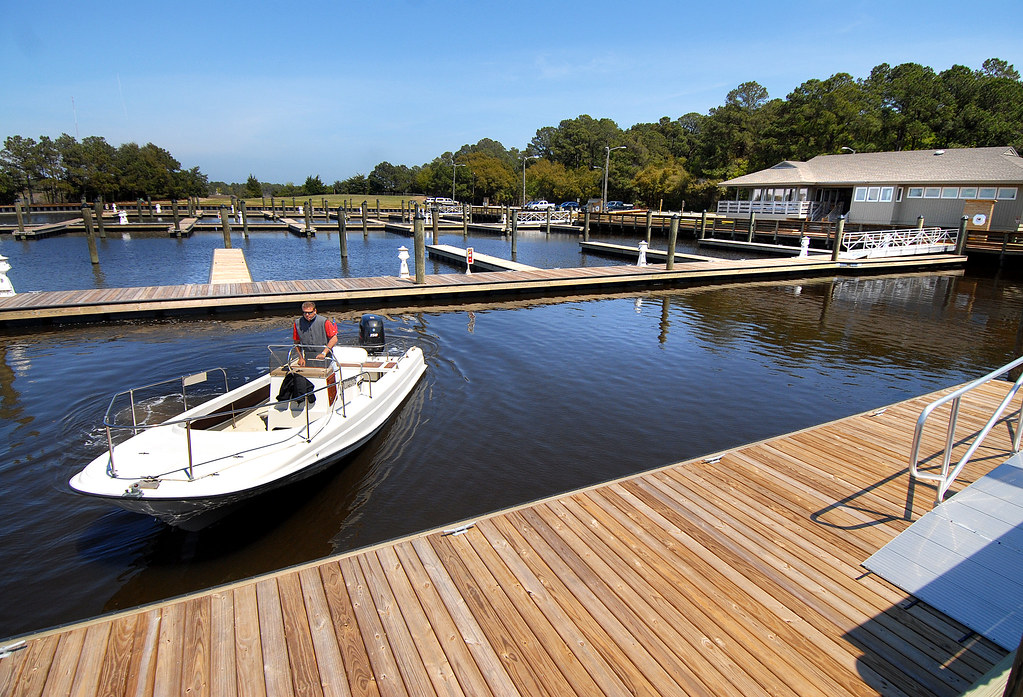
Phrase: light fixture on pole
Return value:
(526, 157)
(846, 147)
(607, 161)
(453, 166)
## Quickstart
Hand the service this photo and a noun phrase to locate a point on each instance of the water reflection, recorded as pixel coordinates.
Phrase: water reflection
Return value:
(521, 400)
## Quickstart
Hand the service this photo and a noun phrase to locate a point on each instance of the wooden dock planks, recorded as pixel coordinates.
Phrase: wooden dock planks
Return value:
(730, 575)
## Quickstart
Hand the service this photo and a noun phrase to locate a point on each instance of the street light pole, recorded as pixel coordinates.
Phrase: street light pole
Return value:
(453, 165)
(607, 161)
(527, 157)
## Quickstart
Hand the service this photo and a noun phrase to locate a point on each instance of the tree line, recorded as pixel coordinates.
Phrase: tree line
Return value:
(676, 160)
(64, 170)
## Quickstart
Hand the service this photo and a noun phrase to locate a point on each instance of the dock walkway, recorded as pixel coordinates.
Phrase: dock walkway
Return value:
(480, 262)
(736, 574)
(391, 291)
(229, 266)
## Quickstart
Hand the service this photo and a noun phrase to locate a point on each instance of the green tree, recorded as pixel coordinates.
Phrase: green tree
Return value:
(253, 187)
(491, 177)
(19, 158)
(657, 182)
(314, 186)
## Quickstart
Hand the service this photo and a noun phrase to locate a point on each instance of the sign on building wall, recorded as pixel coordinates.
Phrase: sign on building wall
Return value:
(978, 213)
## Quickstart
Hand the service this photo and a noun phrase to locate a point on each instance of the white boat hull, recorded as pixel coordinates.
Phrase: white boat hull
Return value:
(190, 477)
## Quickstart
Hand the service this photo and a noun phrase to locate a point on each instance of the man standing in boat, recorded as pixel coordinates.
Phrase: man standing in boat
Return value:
(312, 331)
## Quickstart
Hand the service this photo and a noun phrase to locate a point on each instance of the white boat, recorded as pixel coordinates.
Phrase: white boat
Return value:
(189, 469)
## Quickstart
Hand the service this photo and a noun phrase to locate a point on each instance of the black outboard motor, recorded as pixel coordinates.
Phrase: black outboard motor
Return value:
(371, 332)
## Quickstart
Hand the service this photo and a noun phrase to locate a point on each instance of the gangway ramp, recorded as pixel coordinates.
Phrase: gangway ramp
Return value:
(965, 557)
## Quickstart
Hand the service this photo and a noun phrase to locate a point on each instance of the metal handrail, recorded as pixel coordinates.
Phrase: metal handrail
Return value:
(948, 473)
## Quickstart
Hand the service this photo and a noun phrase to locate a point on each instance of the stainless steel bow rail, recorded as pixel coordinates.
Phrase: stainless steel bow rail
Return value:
(948, 473)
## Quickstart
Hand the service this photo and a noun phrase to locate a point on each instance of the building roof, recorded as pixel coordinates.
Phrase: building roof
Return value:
(996, 165)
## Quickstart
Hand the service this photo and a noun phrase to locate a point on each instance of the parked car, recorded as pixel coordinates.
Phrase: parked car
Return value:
(440, 201)
(539, 205)
(569, 206)
(617, 206)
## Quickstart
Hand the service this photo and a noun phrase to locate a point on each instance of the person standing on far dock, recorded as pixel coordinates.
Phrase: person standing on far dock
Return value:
(310, 331)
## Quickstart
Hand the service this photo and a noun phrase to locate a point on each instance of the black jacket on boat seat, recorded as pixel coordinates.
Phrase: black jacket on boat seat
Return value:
(294, 387)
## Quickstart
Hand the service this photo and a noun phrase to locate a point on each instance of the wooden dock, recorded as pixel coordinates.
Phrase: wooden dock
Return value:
(229, 267)
(734, 574)
(480, 262)
(391, 291)
(627, 252)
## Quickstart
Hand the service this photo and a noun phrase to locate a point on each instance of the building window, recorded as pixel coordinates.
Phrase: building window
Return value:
(968, 192)
(915, 192)
(873, 193)
(1007, 193)
(861, 194)
(932, 192)
(898, 194)
(886, 194)
(987, 192)
(950, 192)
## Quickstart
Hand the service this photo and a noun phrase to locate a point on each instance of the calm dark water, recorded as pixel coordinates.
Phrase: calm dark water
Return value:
(520, 401)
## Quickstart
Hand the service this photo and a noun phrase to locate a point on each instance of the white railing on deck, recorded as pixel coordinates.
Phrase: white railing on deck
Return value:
(792, 209)
(948, 472)
(891, 243)
(541, 216)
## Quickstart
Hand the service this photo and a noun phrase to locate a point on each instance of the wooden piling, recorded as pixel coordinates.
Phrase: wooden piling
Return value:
(89, 236)
(177, 220)
(342, 232)
(649, 225)
(309, 217)
(434, 223)
(919, 222)
(365, 229)
(465, 220)
(672, 239)
(225, 218)
(245, 218)
(273, 208)
(138, 209)
(961, 242)
(99, 219)
(703, 224)
(586, 224)
(839, 233)
(548, 222)
(514, 233)
(378, 208)
(751, 231)
(21, 219)
(419, 239)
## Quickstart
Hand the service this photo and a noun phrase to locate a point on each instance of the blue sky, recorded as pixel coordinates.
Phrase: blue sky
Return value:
(284, 91)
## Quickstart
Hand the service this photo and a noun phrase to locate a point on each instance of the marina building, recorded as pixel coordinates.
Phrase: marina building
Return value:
(888, 189)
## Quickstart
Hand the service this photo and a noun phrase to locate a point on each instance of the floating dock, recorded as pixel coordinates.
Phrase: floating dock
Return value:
(734, 574)
(390, 291)
(480, 262)
(627, 252)
(229, 266)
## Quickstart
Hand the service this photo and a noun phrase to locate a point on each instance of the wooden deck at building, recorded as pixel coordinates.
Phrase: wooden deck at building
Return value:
(737, 574)
(391, 291)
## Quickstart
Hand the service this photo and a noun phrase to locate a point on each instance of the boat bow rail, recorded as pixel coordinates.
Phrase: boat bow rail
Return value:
(949, 473)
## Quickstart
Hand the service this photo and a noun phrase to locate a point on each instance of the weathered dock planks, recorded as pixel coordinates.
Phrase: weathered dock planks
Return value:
(385, 291)
(737, 574)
